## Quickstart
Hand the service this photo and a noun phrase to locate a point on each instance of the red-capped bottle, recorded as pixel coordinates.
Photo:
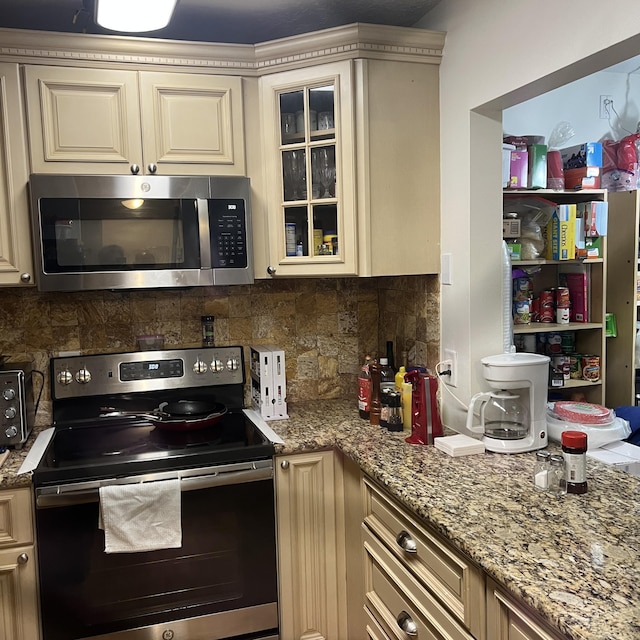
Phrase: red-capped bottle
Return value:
(574, 449)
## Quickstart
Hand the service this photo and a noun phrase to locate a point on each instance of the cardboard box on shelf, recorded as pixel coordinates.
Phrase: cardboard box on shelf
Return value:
(588, 154)
(537, 166)
(561, 233)
(582, 178)
(506, 163)
(518, 169)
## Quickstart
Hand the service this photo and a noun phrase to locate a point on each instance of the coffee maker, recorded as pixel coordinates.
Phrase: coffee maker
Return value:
(513, 417)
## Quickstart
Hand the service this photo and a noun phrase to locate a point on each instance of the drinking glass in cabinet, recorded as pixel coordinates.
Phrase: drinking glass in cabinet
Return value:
(294, 174)
(323, 172)
(290, 104)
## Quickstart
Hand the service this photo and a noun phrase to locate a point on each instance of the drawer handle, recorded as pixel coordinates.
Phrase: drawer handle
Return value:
(406, 542)
(406, 623)
(23, 558)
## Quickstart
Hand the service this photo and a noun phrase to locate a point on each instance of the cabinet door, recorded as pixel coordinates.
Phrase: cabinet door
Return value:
(307, 547)
(83, 120)
(16, 264)
(18, 599)
(193, 124)
(16, 523)
(507, 619)
(309, 161)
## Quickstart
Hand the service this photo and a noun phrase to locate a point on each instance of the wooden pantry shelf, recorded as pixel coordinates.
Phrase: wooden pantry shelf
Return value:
(549, 327)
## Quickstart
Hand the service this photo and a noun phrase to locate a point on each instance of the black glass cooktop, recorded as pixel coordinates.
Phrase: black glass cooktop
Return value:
(121, 447)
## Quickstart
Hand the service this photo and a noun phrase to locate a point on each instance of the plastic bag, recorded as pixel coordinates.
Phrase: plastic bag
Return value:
(597, 435)
(561, 134)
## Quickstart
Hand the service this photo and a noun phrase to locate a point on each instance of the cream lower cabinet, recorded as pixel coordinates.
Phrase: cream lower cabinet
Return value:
(507, 619)
(16, 265)
(19, 617)
(311, 555)
(415, 583)
(351, 155)
(112, 121)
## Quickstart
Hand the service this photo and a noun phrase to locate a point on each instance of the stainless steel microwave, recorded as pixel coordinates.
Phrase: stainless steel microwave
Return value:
(140, 232)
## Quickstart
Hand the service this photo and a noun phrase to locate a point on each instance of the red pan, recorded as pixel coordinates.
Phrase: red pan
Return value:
(183, 415)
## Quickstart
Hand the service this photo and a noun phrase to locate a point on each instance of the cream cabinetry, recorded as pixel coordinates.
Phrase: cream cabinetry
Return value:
(310, 546)
(414, 581)
(508, 619)
(351, 157)
(18, 591)
(112, 121)
(16, 265)
(623, 300)
(583, 338)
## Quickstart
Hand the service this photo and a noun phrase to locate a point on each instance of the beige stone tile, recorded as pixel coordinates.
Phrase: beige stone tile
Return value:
(217, 307)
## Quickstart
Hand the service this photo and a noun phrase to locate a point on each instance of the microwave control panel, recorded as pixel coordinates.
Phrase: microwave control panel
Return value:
(228, 234)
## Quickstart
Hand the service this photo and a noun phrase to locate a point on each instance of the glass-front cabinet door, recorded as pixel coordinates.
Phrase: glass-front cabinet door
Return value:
(309, 158)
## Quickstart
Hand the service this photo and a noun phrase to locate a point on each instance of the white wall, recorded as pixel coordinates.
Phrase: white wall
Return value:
(498, 54)
(579, 104)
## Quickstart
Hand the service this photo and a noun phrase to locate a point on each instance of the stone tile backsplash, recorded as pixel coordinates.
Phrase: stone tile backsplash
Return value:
(325, 326)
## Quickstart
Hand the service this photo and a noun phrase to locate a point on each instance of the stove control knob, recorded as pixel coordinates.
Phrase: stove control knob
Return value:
(10, 413)
(11, 432)
(64, 377)
(217, 366)
(9, 393)
(200, 366)
(233, 364)
(83, 376)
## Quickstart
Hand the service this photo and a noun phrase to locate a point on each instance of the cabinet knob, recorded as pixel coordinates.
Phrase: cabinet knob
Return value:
(271, 271)
(284, 464)
(23, 558)
(25, 277)
(407, 624)
(406, 542)
(152, 168)
(135, 169)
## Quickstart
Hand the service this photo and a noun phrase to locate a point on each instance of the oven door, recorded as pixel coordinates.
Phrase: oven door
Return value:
(220, 584)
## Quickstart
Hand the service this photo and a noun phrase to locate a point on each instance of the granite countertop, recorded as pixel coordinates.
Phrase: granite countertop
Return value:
(575, 559)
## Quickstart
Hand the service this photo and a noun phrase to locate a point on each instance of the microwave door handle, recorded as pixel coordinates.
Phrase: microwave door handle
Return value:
(202, 207)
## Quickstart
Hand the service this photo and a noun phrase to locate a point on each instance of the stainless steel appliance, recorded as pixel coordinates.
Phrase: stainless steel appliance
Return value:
(16, 404)
(222, 582)
(124, 232)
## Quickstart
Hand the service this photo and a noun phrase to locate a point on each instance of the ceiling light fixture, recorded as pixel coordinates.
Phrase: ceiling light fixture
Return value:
(133, 16)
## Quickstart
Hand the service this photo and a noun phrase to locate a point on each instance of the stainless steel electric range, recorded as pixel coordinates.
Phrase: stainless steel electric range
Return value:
(130, 418)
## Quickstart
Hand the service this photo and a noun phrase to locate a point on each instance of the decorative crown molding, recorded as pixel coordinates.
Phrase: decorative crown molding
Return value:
(352, 41)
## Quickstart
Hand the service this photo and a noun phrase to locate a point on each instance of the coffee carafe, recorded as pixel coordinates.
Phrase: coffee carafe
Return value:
(513, 418)
(503, 415)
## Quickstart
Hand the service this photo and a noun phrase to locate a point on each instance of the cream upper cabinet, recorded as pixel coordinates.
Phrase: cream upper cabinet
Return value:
(18, 583)
(351, 161)
(310, 161)
(112, 121)
(15, 240)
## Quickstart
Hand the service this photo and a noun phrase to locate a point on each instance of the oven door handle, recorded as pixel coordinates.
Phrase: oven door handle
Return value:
(84, 492)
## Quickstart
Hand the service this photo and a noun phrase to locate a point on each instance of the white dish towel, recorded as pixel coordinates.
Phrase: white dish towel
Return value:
(141, 517)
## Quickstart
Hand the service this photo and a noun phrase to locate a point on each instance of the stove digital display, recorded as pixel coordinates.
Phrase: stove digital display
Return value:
(151, 370)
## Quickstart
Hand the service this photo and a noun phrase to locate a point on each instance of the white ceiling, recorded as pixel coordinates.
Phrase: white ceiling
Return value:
(235, 21)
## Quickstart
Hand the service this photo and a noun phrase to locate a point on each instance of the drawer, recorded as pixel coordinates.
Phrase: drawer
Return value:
(16, 517)
(452, 578)
(509, 619)
(396, 598)
(374, 630)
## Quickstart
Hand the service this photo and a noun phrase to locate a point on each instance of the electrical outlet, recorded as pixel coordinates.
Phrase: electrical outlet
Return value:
(450, 363)
(606, 104)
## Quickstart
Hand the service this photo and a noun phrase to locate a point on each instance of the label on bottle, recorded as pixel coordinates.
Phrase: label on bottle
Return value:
(576, 468)
(364, 393)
